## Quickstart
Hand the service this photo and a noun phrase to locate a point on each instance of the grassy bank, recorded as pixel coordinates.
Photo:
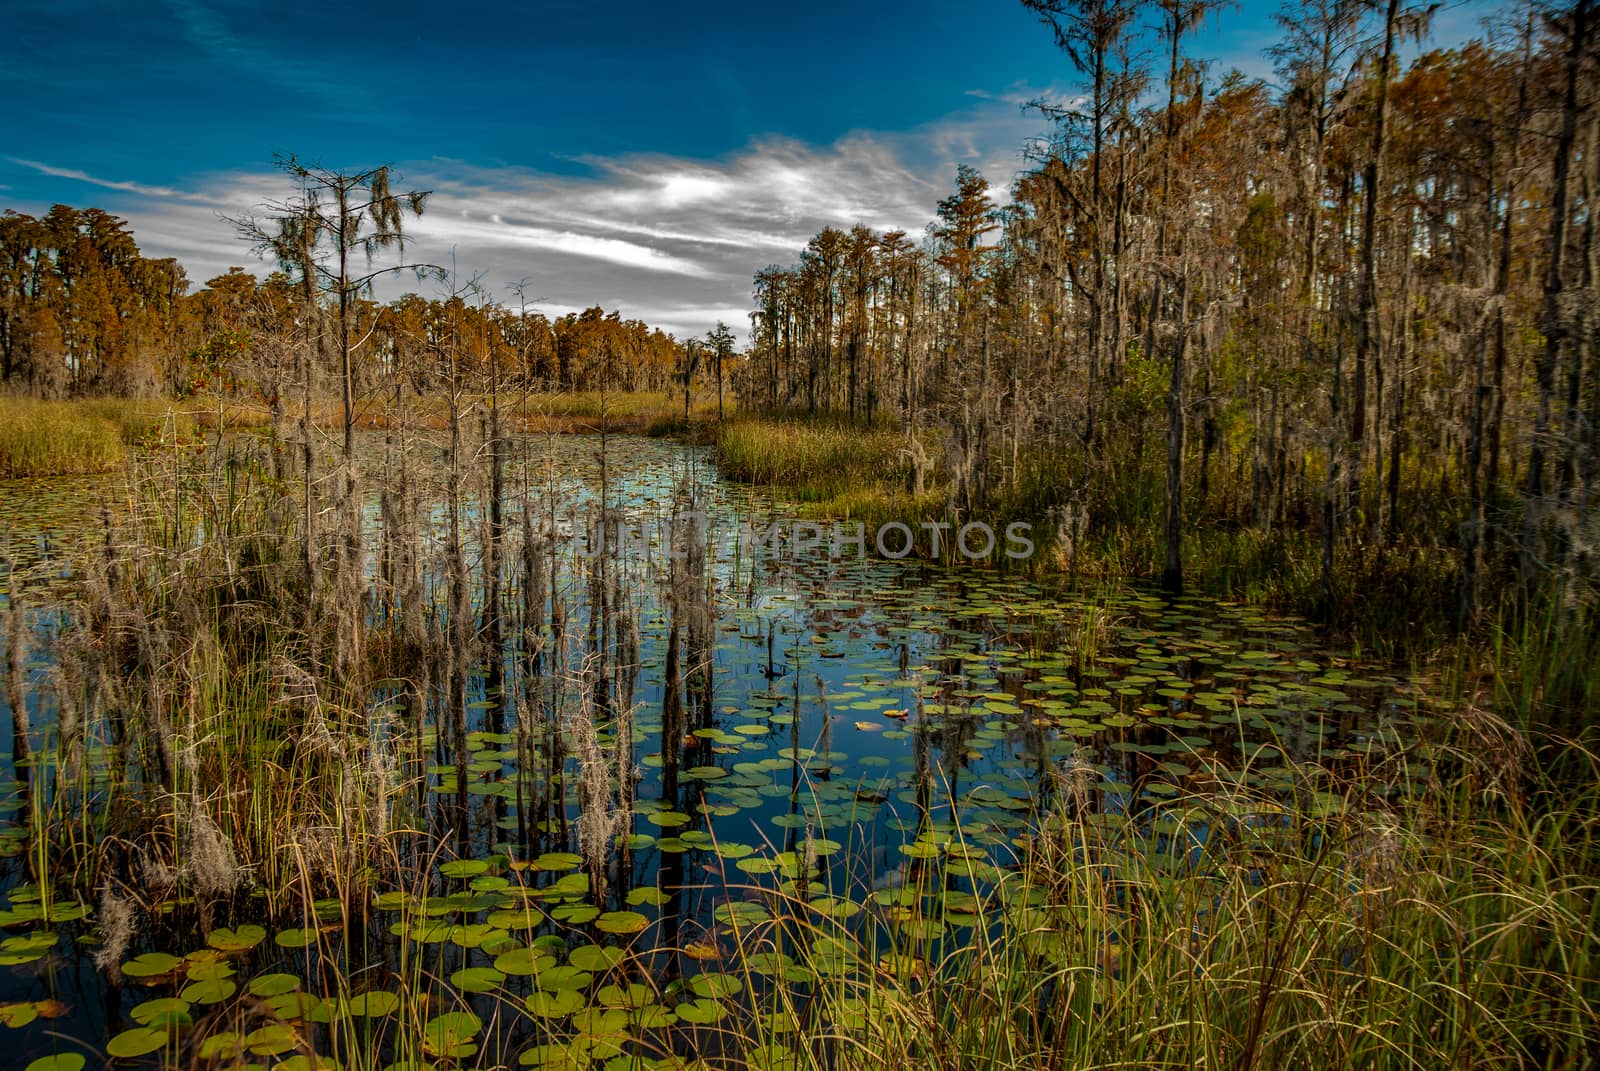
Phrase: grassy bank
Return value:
(82, 436)
(55, 439)
(577, 412)
(832, 468)
(90, 435)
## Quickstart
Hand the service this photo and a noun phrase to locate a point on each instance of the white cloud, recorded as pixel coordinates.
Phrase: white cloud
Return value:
(82, 176)
(1021, 95)
(665, 239)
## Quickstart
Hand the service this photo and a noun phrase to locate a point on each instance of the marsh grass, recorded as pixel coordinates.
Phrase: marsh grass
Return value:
(142, 421)
(39, 438)
(225, 755)
(657, 413)
(813, 461)
(1447, 929)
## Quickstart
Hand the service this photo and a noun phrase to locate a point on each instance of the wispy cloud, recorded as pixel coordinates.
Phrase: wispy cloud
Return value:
(82, 176)
(1021, 95)
(670, 240)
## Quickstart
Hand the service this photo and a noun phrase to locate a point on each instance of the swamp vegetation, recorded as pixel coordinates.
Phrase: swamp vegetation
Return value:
(364, 716)
(552, 802)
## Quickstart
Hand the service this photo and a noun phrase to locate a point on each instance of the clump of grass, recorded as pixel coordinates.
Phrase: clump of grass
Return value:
(813, 461)
(138, 420)
(39, 438)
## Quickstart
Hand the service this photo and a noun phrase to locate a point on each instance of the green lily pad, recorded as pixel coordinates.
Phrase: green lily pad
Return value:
(699, 1011)
(523, 961)
(271, 1040)
(137, 1042)
(716, 985)
(374, 1004)
(296, 938)
(210, 991)
(61, 1061)
(621, 922)
(595, 958)
(238, 940)
(150, 965)
(451, 1034)
(165, 1012)
(553, 1004)
(477, 979)
(272, 985)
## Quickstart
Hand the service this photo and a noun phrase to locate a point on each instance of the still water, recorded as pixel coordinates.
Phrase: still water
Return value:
(873, 742)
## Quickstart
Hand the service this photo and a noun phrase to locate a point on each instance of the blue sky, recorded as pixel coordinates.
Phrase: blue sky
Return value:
(646, 156)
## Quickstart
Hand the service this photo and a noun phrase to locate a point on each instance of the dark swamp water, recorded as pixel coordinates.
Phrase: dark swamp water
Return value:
(865, 743)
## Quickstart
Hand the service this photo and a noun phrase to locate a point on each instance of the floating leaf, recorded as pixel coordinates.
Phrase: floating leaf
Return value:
(270, 1040)
(151, 965)
(621, 922)
(716, 985)
(272, 985)
(207, 970)
(523, 961)
(303, 1062)
(556, 861)
(553, 1004)
(291, 939)
(165, 1012)
(515, 918)
(477, 979)
(567, 977)
(700, 1011)
(463, 868)
(229, 1043)
(451, 1034)
(209, 991)
(646, 895)
(61, 1061)
(632, 995)
(140, 1041)
(555, 1056)
(576, 914)
(594, 958)
(297, 1005)
(239, 940)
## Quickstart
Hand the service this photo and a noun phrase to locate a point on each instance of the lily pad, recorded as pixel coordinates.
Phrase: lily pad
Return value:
(137, 1042)
(374, 1004)
(61, 1061)
(237, 940)
(553, 1004)
(151, 965)
(621, 922)
(451, 1034)
(477, 979)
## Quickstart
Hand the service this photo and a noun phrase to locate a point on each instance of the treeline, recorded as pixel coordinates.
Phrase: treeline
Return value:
(83, 312)
(1354, 320)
